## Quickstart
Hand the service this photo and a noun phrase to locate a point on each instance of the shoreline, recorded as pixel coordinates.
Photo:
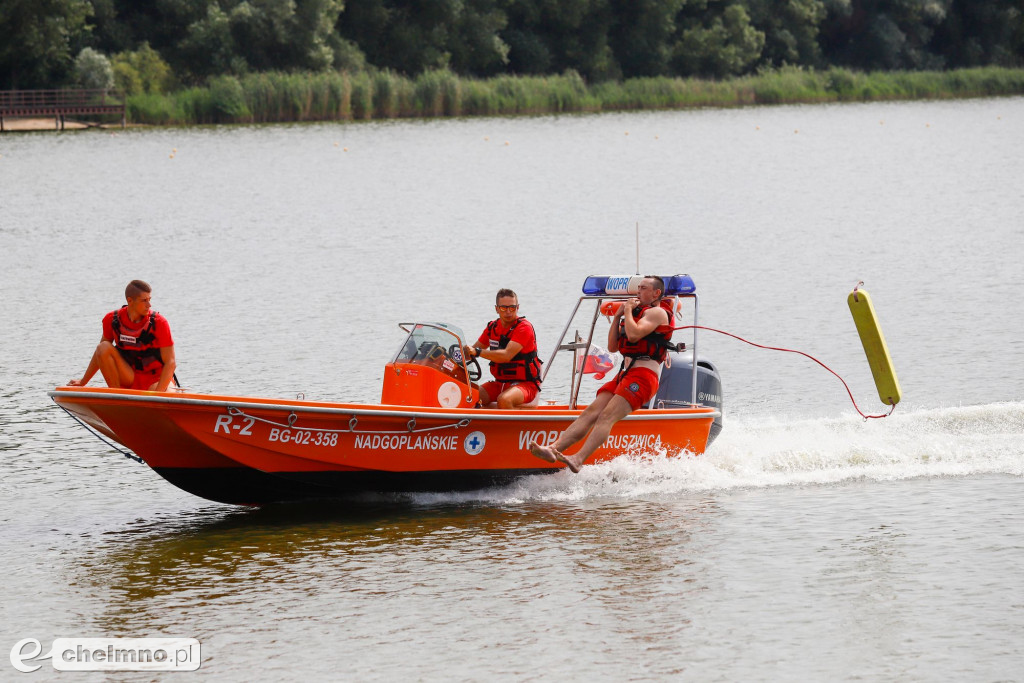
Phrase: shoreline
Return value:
(31, 125)
(274, 97)
(15, 125)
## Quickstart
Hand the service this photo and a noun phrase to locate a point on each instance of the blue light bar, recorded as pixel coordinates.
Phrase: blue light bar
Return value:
(675, 285)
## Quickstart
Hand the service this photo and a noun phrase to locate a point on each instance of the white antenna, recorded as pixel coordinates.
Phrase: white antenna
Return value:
(638, 247)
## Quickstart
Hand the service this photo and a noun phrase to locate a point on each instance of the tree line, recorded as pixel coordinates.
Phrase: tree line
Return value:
(159, 45)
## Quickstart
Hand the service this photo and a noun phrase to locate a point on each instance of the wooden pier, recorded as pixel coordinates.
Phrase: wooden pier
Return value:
(62, 105)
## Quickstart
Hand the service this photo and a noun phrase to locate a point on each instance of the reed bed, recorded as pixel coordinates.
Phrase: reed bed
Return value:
(332, 96)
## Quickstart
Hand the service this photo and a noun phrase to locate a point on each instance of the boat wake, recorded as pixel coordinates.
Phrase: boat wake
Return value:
(754, 453)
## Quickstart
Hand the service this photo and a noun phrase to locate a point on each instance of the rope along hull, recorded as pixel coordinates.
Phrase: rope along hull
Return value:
(253, 451)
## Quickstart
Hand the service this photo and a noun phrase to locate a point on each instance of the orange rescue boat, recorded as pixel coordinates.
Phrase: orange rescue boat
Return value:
(425, 435)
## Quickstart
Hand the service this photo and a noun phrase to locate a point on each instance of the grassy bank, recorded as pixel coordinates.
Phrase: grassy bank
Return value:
(279, 97)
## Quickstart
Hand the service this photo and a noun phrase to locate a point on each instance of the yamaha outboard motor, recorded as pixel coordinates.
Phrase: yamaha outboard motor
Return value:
(676, 385)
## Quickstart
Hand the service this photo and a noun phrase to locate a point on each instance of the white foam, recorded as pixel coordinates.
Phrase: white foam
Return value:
(938, 442)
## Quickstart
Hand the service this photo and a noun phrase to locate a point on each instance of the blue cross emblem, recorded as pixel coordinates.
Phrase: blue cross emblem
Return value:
(474, 443)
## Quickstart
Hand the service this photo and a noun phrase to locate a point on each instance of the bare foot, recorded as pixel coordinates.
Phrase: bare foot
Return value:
(545, 453)
(570, 461)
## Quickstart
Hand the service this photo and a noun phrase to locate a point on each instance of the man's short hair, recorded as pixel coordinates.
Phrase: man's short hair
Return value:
(135, 288)
(504, 293)
(659, 284)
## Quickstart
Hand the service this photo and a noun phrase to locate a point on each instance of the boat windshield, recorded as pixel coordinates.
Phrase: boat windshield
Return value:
(429, 341)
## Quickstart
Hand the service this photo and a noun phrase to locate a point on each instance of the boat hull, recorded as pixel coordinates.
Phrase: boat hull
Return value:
(254, 451)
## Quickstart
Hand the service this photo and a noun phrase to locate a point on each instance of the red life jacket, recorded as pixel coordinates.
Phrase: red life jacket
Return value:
(138, 350)
(524, 366)
(656, 344)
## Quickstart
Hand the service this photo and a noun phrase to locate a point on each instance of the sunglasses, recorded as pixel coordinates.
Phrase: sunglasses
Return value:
(505, 309)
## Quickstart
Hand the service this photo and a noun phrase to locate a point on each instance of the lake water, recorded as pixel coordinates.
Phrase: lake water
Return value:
(806, 544)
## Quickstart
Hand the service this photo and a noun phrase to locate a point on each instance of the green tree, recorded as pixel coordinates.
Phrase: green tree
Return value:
(982, 32)
(883, 34)
(284, 34)
(791, 29)
(475, 45)
(208, 47)
(202, 38)
(142, 71)
(642, 35)
(111, 33)
(92, 70)
(413, 36)
(38, 39)
(124, 25)
(717, 45)
(398, 35)
(552, 36)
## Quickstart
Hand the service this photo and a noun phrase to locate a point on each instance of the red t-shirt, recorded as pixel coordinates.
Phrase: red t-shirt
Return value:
(523, 335)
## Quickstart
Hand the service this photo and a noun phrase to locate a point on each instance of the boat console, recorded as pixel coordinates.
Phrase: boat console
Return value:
(429, 369)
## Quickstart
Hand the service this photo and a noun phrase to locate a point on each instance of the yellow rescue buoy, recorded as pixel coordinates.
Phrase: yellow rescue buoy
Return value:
(874, 346)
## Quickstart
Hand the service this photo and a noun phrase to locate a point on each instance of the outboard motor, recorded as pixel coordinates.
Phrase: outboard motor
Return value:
(674, 388)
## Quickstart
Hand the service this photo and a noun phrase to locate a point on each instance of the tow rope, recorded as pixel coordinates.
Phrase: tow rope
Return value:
(806, 355)
(91, 429)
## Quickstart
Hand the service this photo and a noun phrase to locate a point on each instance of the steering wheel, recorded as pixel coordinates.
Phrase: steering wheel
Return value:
(475, 373)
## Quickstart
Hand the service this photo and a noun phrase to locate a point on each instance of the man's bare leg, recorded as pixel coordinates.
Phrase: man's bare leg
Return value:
(616, 409)
(574, 432)
(511, 399)
(115, 369)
